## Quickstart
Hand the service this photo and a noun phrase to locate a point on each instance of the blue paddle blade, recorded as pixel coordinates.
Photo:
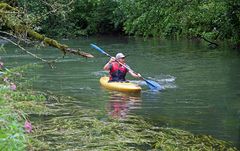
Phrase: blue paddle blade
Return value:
(153, 85)
(99, 49)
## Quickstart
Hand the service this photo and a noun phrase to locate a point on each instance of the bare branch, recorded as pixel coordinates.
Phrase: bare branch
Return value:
(27, 41)
(18, 26)
(35, 56)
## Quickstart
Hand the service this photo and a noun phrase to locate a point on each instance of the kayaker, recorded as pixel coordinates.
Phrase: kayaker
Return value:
(117, 70)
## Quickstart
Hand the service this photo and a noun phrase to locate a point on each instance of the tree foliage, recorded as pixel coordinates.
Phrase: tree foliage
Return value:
(73, 17)
(212, 19)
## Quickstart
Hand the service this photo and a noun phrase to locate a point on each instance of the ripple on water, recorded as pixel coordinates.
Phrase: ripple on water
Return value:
(100, 73)
(166, 81)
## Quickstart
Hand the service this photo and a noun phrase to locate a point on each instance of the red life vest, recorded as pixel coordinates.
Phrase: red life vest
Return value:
(117, 72)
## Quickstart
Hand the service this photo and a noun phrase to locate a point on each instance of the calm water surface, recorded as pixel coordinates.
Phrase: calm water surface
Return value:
(201, 86)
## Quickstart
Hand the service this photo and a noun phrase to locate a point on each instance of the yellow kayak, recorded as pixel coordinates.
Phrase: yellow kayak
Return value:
(120, 86)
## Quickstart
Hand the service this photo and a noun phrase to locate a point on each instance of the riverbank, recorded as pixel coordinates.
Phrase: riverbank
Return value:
(16, 128)
(17, 103)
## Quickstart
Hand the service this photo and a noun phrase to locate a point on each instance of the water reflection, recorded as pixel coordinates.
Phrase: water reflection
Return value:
(120, 104)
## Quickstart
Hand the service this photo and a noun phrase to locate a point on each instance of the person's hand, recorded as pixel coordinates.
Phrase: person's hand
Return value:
(112, 59)
(139, 75)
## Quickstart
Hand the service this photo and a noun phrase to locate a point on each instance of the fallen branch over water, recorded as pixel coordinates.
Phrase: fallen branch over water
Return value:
(10, 19)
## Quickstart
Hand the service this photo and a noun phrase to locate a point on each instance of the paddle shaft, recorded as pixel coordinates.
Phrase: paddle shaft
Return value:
(131, 70)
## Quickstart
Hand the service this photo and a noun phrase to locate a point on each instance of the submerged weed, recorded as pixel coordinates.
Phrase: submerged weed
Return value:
(77, 128)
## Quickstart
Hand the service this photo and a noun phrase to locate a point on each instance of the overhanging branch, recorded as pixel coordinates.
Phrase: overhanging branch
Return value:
(17, 25)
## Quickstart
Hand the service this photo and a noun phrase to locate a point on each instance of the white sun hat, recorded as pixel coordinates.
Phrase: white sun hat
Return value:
(120, 55)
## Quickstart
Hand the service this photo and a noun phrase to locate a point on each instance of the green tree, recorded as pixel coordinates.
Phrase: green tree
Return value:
(213, 19)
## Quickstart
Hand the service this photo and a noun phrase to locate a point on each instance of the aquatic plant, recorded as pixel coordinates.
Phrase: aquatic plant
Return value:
(72, 127)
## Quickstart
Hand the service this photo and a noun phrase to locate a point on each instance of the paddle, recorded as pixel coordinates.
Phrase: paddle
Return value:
(151, 84)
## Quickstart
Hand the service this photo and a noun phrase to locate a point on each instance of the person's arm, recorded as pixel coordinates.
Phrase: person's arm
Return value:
(107, 65)
(135, 75)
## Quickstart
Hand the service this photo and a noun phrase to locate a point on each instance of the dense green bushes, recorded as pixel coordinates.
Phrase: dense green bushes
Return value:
(73, 18)
(91, 16)
(182, 18)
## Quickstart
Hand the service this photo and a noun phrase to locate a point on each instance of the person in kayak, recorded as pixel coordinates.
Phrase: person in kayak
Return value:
(118, 69)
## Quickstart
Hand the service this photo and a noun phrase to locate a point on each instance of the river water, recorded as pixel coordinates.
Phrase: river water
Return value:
(201, 86)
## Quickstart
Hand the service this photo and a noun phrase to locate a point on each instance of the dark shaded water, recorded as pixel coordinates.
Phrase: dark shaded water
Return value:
(202, 86)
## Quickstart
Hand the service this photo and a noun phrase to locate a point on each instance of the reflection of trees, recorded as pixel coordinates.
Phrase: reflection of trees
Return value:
(120, 104)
